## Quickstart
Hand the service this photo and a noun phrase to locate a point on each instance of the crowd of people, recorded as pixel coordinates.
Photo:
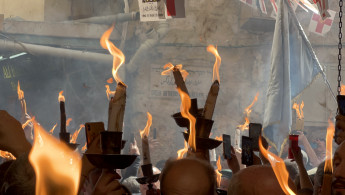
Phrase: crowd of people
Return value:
(192, 175)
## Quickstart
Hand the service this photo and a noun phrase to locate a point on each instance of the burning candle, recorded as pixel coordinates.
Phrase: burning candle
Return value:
(62, 113)
(210, 103)
(144, 134)
(328, 169)
(299, 116)
(118, 102)
(21, 99)
(179, 75)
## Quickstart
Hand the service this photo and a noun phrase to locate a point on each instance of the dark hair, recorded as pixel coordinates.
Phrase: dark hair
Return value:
(206, 167)
(20, 178)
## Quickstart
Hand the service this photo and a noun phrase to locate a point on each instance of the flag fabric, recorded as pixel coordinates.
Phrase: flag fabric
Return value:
(319, 26)
(275, 7)
(175, 9)
(263, 6)
(251, 3)
(322, 5)
(293, 68)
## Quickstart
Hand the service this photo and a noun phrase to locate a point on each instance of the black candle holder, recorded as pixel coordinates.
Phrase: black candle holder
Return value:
(65, 137)
(148, 176)
(111, 157)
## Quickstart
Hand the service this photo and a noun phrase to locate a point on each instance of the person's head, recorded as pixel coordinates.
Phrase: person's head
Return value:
(188, 176)
(339, 135)
(257, 179)
(132, 184)
(19, 178)
(156, 185)
(320, 145)
(226, 177)
(338, 185)
(318, 178)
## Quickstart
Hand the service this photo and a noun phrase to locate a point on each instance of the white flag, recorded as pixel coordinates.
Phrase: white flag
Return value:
(293, 68)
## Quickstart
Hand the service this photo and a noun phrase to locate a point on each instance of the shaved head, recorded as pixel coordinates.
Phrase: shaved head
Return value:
(256, 180)
(188, 176)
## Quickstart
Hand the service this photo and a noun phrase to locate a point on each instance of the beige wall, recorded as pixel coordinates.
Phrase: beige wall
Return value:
(32, 10)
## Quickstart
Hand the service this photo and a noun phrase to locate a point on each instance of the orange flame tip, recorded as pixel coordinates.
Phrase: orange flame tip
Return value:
(212, 49)
(7, 155)
(329, 137)
(61, 97)
(110, 80)
(247, 111)
(52, 130)
(219, 175)
(183, 151)
(109, 92)
(83, 149)
(74, 137)
(20, 92)
(185, 106)
(342, 89)
(299, 110)
(118, 56)
(219, 138)
(278, 167)
(171, 67)
(57, 167)
(146, 131)
(68, 121)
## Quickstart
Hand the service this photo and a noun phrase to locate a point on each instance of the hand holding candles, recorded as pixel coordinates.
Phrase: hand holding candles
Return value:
(145, 141)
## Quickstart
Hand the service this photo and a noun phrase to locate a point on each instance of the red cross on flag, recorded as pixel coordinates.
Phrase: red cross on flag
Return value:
(251, 3)
(319, 26)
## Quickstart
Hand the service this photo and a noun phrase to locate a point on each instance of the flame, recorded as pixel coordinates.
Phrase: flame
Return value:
(247, 111)
(183, 151)
(110, 80)
(61, 97)
(146, 130)
(57, 167)
(68, 121)
(219, 138)
(118, 56)
(52, 130)
(26, 123)
(299, 110)
(329, 137)
(342, 89)
(219, 175)
(171, 67)
(75, 134)
(21, 97)
(83, 149)
(212, 49)
(278, 167)
(185, 106)
(7, 155)
(109, 92)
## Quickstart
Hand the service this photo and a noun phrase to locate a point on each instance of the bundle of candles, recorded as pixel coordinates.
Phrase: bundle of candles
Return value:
(198, 121)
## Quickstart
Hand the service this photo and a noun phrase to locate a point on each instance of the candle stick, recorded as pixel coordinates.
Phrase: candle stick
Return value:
(238, 138)
(146, 150)
(144, 134)
(117, 106)
(179, 80)
(62, 113)
(211, 100)
(327, 184)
